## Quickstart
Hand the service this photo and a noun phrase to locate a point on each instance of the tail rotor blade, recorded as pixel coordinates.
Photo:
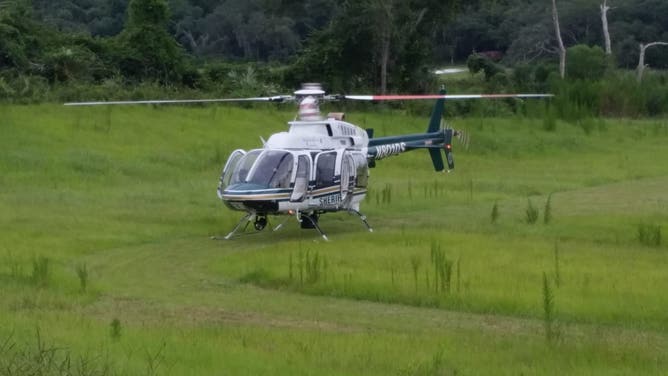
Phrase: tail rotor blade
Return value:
(464, 139)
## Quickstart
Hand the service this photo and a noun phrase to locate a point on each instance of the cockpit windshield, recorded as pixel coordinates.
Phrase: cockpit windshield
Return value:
(269, 168)
(244, 165)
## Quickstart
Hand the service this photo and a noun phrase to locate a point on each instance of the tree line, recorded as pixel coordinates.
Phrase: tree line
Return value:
(262, 46)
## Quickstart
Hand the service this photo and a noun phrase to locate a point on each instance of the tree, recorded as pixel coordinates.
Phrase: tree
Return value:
(604, 20)
(144, 49)
(641, 59)
(17, 35)
(560, 42)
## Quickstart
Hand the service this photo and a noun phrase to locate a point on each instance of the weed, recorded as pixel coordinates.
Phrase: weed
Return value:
(550, 121)
(442, 268)
(82, 273)
(325, 264)
(557, 274)
(548, 309)
(300, 264)
(15, 270)
(587, 124)
(531, 212)
(41, 358)
(495, 212)
(115, 327)
(649, 234)
(547, 213)
(459, 274)
(40, 271)
(415, 264)
(153, 361)
(312, 267)
(290, 267)
(387, 194)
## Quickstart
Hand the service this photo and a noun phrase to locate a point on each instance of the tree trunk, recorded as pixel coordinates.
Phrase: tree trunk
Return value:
(386, 18)
(604, 20)
(560, 42)
(641, 59)
(384, 60)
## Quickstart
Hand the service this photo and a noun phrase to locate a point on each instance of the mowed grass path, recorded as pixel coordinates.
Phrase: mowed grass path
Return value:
(128, 195)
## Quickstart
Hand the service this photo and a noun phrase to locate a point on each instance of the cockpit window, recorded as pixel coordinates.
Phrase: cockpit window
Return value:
(273, 169)
(243, 167)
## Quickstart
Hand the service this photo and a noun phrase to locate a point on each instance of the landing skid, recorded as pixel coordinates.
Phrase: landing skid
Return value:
(362, 217)
(312, 223)
(307, 221)
(260, 222)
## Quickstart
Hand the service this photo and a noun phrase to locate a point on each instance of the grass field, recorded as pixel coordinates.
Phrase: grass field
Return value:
(107, 266)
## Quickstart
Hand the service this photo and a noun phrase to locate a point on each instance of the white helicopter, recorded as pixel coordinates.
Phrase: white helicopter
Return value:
(321, 164)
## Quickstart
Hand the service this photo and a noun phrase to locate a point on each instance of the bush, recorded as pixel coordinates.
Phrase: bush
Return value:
(477, 63)
(586, 63)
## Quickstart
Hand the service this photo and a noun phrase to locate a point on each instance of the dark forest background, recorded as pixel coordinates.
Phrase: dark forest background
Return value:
(95, 49)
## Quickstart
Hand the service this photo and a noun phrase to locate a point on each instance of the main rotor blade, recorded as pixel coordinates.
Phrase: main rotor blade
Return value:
(441, 96)
(277, 98)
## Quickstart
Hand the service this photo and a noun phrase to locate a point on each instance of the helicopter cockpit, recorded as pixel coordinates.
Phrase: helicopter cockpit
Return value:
(266, 168)
(273, 180)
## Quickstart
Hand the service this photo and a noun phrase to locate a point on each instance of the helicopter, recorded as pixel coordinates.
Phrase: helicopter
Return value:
(321, 163)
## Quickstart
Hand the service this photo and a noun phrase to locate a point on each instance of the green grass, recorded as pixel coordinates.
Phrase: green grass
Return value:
(121, 204)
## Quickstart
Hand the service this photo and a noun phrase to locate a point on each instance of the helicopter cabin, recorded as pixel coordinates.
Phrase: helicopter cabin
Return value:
(322, 134)
(277, 180)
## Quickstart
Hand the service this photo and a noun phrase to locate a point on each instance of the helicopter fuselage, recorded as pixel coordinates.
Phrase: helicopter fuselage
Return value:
(316, 166)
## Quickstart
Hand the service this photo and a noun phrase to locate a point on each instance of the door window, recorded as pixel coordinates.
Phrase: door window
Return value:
(301, 179)
(324, 171)
(347, 175)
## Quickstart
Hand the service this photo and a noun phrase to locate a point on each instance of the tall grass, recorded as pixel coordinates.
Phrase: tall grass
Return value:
(649, 234)
(236, 307)
(548, 309)
(531, 212)
(40, 272)
(43, 358)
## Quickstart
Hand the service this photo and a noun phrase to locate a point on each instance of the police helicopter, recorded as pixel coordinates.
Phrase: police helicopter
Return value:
(321, 164)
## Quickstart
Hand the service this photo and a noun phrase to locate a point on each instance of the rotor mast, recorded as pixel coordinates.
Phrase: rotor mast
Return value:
(309, 97)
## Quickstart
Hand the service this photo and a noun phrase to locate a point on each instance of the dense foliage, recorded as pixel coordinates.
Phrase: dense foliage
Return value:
(70, 49)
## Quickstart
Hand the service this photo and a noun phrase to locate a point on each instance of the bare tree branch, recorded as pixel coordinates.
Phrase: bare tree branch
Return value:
(641, 59)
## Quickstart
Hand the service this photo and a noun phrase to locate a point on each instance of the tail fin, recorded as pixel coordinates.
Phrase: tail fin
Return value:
(437, 114)
(436, 159)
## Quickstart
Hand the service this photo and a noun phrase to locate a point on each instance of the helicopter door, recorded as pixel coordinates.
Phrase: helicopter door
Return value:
(301, 178)
(229, 168)
(348, 172)
(325, 169)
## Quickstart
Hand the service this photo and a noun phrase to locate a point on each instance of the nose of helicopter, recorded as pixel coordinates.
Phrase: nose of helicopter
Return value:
(254, 197)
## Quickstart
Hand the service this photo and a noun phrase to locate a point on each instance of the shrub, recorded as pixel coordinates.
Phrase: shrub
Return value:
(477, 63)
(586, 63)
